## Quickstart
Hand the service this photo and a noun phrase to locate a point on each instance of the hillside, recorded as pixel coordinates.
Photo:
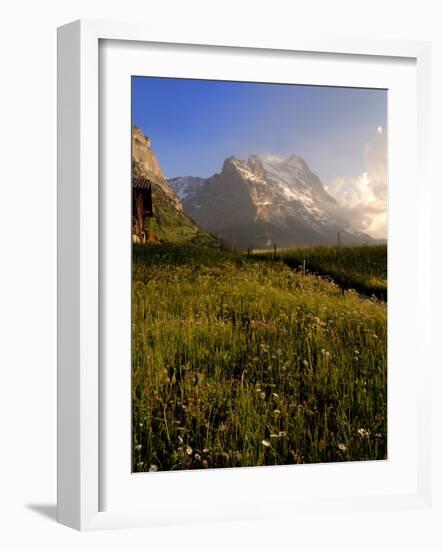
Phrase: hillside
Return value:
(170, 223)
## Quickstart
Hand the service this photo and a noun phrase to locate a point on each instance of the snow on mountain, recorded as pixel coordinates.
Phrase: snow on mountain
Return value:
(186, 187)
(263, 201)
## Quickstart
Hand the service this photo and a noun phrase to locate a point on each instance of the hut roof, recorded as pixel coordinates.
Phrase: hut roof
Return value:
(141, 183)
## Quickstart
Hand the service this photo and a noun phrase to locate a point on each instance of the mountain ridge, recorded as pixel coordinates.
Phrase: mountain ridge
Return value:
(265, 201)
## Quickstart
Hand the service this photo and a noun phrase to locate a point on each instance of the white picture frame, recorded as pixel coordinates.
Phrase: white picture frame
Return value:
(80, 438)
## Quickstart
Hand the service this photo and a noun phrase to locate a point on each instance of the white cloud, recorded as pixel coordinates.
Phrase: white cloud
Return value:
(363, 200)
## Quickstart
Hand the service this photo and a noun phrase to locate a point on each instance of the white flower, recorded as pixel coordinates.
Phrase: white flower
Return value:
(265, 443)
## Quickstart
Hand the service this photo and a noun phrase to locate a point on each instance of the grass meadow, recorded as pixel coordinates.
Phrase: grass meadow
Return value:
(238, 361)
(362, 267)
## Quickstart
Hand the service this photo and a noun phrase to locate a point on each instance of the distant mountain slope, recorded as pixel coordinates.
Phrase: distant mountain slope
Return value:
(265, 201)
(186, 187)
(170, 223)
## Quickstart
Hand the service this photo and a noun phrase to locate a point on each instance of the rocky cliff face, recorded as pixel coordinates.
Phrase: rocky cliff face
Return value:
(145, 165)
(264, 201)
(169, 223)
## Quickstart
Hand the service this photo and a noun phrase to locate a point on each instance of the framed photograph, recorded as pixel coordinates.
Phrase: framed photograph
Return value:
(229, 216)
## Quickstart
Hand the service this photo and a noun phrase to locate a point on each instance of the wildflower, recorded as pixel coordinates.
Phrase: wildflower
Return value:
(276, 411)
(138, 447)
(153, 468)
(363, 433)
(265, 443)
(305, 362)
(282, 434)
(342, 447)
(189, 450)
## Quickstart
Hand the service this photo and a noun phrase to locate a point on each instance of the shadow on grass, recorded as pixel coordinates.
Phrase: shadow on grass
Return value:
(179, 254)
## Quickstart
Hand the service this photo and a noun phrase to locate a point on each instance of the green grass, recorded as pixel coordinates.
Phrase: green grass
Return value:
(241, 362)
(363, 268)
(173, 226)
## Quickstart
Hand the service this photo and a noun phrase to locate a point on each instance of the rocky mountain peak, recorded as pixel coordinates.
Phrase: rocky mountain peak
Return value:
(249, 171)
(231, 164)
(264, 200)
(256, 166)
(144, 161)
(140, 139)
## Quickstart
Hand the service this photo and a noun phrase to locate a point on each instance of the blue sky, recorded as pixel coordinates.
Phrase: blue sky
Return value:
(195, 124)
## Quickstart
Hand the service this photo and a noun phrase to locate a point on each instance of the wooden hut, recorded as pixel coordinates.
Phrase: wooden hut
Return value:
(142, 208)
